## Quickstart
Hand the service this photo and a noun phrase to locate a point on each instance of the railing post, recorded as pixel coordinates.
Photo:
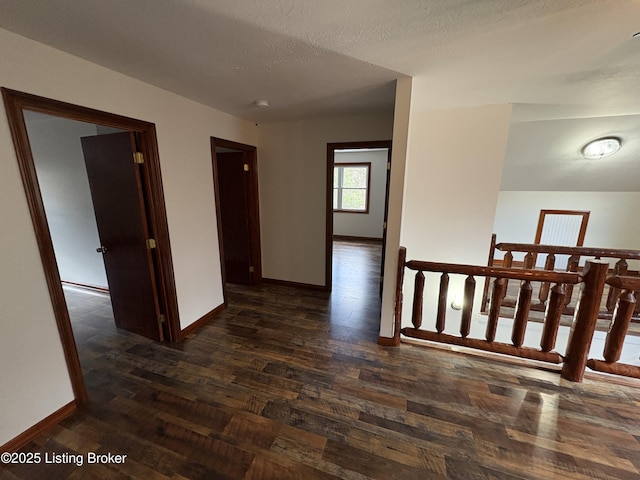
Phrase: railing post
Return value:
(402, 259)
(584, 320)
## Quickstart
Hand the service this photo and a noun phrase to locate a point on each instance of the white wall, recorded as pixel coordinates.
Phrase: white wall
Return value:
(452, 179)
(62, 176)
(612, 221)
(369, 224)
(292, 170)
(34, 381)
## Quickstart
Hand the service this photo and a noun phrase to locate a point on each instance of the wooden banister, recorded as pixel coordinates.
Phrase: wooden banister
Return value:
(510, 273)
(593, 279)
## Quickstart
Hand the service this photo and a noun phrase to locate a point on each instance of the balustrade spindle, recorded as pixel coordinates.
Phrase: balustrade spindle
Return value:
(467, 306)
(442, 302)
(549, 264)
(507, 263)
(552, 318)
(529, 261)
(418, 297)
(499, 285)
(572, 266)
(619, 326)
(620, 269)
(522, 313)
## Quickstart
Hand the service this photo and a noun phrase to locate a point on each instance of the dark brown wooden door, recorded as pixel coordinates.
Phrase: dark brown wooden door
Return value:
(234, 216)
(118, 201)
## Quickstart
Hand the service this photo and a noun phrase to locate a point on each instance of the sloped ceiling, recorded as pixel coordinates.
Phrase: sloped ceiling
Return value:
(560, 62)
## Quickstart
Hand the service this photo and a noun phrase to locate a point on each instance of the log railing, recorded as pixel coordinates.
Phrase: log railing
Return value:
(592, 281)
(575, 255)
(625, 305)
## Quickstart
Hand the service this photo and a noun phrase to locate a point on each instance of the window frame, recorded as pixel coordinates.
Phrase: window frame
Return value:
(340, 187)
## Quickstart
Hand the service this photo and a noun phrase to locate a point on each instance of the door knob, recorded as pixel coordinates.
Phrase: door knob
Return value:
(101, 249)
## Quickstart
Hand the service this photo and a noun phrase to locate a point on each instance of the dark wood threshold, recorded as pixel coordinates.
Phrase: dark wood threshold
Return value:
(359, 239)
(42, 426)
(206, 318)
(287, 283)
(83, 286)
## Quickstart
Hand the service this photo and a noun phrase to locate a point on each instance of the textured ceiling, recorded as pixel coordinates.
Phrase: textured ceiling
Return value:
(560, 62)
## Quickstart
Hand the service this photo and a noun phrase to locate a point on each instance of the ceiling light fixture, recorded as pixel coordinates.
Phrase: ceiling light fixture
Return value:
(261, 103)
(600, 148)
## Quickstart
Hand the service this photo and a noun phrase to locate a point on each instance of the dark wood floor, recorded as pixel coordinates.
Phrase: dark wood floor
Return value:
(290, 384)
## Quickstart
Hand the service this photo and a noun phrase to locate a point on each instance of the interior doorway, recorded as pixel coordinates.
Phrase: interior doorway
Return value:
(235, 178)
(138, 144)
(358, 175)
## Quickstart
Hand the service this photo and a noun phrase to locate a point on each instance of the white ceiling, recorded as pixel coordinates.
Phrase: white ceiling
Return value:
(560, 62)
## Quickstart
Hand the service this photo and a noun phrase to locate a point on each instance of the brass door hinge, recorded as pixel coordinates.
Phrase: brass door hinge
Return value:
(251, 269)
(246, 167)
(138, 157)
(161, 319)
(151, 243)
(388, 165)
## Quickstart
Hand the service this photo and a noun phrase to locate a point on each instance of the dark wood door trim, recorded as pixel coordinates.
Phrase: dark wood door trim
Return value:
(15, 102)
(253, 206)
(331, 149)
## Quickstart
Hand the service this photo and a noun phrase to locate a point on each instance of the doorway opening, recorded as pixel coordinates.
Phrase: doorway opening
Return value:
(122, 152)
(235, 177)
(358, 175)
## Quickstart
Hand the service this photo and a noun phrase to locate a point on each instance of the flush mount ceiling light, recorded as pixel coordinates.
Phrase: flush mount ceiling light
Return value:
(603, 147)
(261, 103)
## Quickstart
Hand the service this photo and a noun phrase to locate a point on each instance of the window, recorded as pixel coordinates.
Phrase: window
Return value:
(351, 187)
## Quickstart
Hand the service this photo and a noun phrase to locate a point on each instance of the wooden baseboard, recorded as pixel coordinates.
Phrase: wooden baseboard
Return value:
(359, 239)
(39, 428)
(83, 286)
(206, 318)
(287, 283)
(387, 342)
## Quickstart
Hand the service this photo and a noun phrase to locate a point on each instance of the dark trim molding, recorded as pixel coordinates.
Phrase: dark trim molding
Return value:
(15, 102)
(388, 342)
(287, 283)
(206, 318)
(42, 426)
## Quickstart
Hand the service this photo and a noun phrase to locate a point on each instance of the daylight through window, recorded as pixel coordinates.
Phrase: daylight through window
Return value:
(351, 187)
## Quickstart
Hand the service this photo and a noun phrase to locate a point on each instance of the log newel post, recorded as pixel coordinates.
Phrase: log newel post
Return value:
(402, 258)
(499, 285)
(418, 299)
(522, 313)
(584, 320)
(442, 302)
(619, 326)
(552, 318)
(467, 306)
